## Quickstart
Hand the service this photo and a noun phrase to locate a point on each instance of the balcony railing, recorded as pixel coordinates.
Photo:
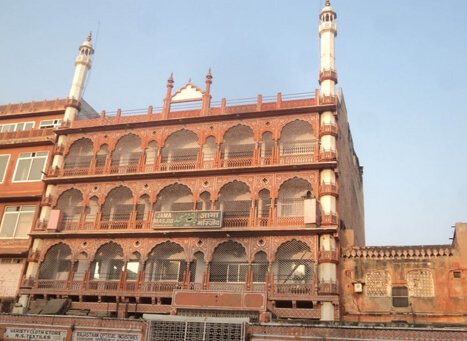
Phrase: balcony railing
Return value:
(142, 286)
(328, 256)
(94, 223)
(284, 154)
(327, 288)
(25, 135)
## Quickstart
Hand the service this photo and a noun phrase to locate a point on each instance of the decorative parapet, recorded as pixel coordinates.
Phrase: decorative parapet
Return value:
(401, 252)
(34, 107)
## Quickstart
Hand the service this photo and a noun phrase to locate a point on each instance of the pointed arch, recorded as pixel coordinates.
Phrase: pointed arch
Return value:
(229, 265)
(165, 263)
(291, 195)
(79, 155)
(234, 201)
(127, 154)
(174, 197)
(293, 265)
(108, 262)
(54, 270)
(297, 143)
(118, 206)
(238, 146)
(180, 150)
(70, 204)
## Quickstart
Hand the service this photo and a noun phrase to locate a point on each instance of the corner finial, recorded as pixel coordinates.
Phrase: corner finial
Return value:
(90, 36)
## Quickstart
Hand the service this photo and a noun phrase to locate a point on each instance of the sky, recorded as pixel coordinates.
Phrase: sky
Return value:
(401, 65)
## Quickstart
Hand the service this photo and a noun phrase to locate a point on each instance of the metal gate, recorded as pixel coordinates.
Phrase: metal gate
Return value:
(190, 328)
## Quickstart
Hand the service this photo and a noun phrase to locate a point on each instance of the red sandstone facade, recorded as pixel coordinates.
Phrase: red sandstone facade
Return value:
(27, 141)
(219, 217)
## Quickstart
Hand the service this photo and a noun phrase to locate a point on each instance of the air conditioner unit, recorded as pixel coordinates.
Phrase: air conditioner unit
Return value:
(55, 220)
(358, 287)
(309, 211)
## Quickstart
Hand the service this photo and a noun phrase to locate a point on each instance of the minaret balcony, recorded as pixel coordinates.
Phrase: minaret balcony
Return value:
(328, 129)
(327, 26)
(327, 287)
(328, 257)
(327, 155)
(327, 75)
(328, 189)
(329, 219)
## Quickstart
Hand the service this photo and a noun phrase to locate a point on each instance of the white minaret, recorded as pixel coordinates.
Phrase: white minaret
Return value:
(82, 66)
(327, 81)
(327, 34)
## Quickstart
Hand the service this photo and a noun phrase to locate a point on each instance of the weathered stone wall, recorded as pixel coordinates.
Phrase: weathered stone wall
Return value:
(430, 282)
(350, 203)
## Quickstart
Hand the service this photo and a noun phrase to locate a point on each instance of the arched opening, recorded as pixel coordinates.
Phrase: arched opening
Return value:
(238, 147)
(101, 158)
(174, 197)
(107, 267)
(235, 203)
(151, 156)
(204, 203)
(117, 209)
(293, 268)
(209, 152)
(132, 267)
(55, 268)
(180, 151)
(165, 267)
(297, 143)
(229, 267)
(79, 270)
(143, 208)
(126, 155)
(266, 148)
(90, 221)
(263, 207)
(79, 158)
(197, 270)
(70, 204)
(290, 202)
(259, 267)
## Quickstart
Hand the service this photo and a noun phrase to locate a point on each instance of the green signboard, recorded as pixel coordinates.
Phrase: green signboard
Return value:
(188, 219)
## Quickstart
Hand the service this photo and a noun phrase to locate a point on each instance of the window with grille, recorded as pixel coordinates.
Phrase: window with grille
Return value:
(20, 126)
(30, 166)
(50, 124)
(17, 221)
(3, 166)
(400, 297)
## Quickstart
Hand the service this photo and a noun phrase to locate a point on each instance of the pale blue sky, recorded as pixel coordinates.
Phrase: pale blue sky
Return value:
(401, 65)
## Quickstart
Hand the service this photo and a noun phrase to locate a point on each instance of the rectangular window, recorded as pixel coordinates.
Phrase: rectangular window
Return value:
(30, 166)
(17, 221)
(6, 128)
(3, 166)
(400, 297)
(50, 124)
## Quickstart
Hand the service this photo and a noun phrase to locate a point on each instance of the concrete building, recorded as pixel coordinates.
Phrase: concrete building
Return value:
(227, 219)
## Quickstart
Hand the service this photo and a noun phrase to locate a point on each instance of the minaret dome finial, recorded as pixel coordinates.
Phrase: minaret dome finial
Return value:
(90, 36)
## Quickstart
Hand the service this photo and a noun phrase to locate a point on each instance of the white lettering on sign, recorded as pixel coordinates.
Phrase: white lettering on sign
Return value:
(104, 336)
(34, 334)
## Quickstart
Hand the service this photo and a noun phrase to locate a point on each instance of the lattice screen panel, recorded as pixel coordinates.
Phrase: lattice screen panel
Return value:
(378, 284)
